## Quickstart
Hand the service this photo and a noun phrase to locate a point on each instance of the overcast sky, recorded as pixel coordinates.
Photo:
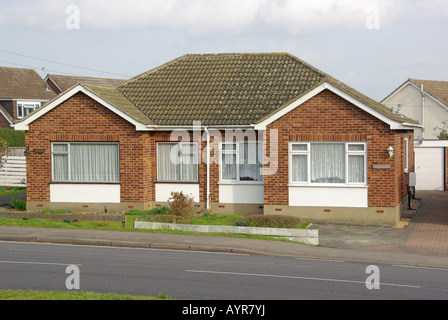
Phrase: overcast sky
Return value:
(371, 45)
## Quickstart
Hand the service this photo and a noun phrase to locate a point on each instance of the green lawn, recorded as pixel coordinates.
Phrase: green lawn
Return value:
(6, 191)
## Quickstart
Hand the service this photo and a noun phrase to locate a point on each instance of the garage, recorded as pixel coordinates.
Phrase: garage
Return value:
(430, 168)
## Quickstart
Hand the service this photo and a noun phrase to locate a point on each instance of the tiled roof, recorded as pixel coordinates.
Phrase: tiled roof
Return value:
(19, 83)
(220, 89)
(229, 89)
(65, 82)
(438, 89)
(115, 98)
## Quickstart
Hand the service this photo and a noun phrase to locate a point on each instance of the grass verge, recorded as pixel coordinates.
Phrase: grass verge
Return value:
(71, 295)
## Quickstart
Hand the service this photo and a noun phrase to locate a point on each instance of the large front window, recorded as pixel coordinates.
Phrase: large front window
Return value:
(241, 161)
(177, 162)
(85, 162)
(327, 163)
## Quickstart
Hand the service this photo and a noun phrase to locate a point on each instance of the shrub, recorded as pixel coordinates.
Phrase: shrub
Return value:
(13, 138)
(181, 205)
(18, 204)
(154, 211)
(273, 221)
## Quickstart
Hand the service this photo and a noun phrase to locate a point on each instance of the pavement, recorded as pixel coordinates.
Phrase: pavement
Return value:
(419, 241)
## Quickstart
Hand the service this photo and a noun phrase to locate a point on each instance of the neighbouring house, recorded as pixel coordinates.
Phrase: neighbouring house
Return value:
(60, 83)
(241, 133)
(21, 92)
(427, 102)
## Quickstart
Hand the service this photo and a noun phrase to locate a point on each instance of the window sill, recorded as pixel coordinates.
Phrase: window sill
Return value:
(177, 182)
(329, 185)
(241, 182)
(73, 182)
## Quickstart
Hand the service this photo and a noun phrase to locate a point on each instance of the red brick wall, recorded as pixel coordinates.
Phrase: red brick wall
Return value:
(327, 117)
(81, 119)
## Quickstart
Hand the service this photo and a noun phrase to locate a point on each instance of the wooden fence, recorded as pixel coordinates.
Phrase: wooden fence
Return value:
(13, 172)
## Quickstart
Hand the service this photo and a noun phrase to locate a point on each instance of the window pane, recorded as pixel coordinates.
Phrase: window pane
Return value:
(60, 167)
(229, 146)
(355, 147)
(356, 168)
(189, 167)
(94, 163)
(167, 167)
(229, 166)
(60, 148)
(328, 163)
(299, 168)
(249, 163)
(299, 147)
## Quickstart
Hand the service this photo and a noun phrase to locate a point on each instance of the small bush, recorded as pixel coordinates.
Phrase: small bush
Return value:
(18, 204)
(181, 205)
(154, 211)
(273, 221)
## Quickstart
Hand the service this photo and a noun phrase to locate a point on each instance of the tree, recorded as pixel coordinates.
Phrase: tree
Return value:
(442, 132)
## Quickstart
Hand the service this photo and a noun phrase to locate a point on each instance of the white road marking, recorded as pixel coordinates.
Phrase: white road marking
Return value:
(40, 263)
(296, 277)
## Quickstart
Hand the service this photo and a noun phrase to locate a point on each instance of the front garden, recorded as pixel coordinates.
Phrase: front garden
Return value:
(180, 211)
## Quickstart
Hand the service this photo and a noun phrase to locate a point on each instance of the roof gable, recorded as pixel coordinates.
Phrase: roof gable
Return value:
(109, 97)
(437, 89)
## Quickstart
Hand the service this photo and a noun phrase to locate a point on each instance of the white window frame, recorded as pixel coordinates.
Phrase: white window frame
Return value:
(22, 105)
(179, 159)
(53, 153)
(237, 153)
(307, 152)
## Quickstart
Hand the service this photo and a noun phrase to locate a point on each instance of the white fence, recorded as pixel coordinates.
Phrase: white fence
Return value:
(13, 172)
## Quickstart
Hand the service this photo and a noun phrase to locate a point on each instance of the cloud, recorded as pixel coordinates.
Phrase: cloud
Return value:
(225, 16)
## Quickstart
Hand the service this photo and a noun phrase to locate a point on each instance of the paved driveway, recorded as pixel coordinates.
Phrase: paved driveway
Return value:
(426, 233)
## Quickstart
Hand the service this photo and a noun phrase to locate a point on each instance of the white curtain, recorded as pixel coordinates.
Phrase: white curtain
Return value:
(60, 162)
(299, 168)
(189, 162)
(356, 168)
(168, 168)
(94, 163)
(228, 166)
(328, 163)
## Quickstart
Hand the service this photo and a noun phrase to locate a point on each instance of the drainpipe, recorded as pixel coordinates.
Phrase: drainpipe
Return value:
(423, 112)
(208, 168)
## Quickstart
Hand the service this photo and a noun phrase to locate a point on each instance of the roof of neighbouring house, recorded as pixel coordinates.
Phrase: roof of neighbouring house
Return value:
(20, 83)
(65, 82)
(437, 89)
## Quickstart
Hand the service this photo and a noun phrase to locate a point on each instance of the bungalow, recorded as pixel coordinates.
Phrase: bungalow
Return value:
(241, 133)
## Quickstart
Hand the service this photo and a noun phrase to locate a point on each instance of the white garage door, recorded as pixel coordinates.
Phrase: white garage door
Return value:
(429, 168)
